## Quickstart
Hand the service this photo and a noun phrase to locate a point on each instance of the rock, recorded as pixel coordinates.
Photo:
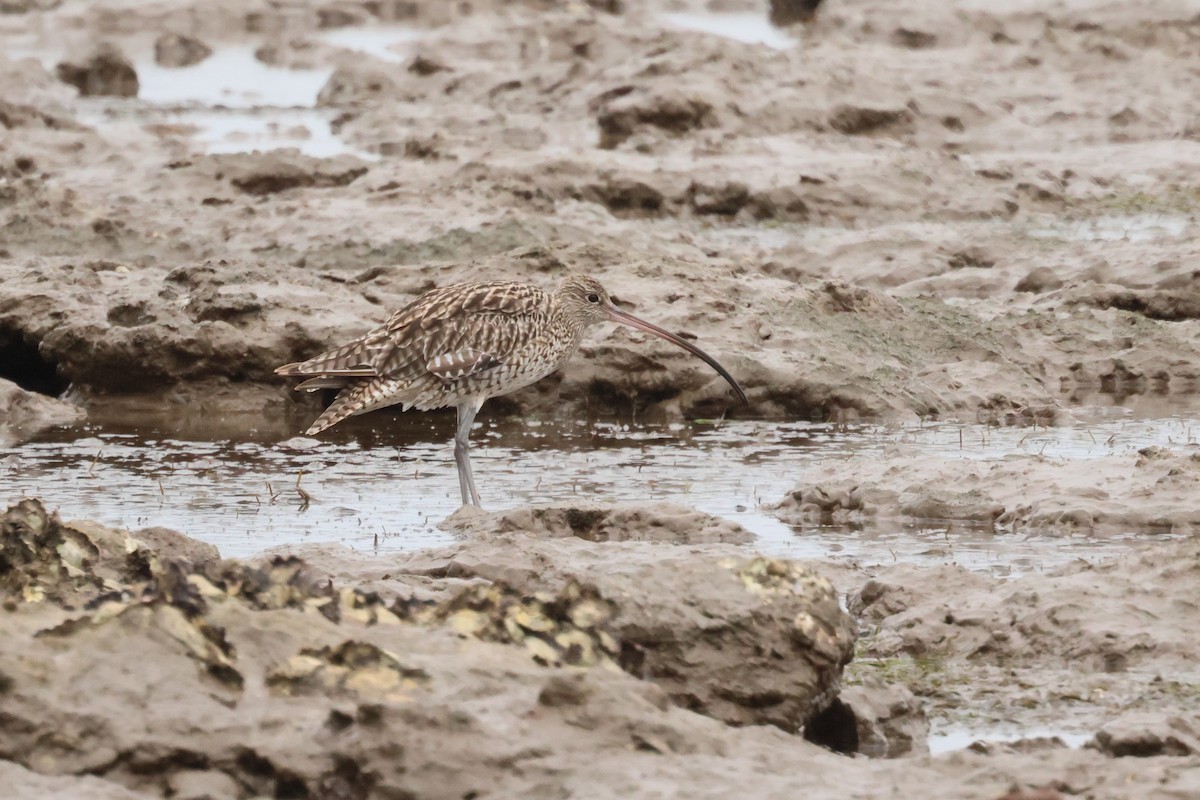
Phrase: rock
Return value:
(608, 6)
(1039, 280)
(1019, 493)
(782, 203)
(19, 115)
(339, 17)
(424, 66)
(1147, 734)
(625, 197)
(198, 784)
(1042, 190)
(643, 522)
(823, 503)
(724, 199)
(1092, 618)
(860, 120)
(177, 50)
(355, 85)
(281, 170)
(938, 503)
(978, 257)
(105, 72)
(165, 541)
(675, 113)
(790, 12)
(1172, 305)
(45, 559)
(27, 784)
(748, 641)
(134, 674)
(338, 658)
(913, 39)
(27, 413)
(872, 719)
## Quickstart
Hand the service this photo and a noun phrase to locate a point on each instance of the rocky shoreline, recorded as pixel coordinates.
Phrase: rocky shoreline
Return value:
(551, 662)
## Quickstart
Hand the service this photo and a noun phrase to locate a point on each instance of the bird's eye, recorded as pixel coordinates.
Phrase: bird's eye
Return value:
(593, 298)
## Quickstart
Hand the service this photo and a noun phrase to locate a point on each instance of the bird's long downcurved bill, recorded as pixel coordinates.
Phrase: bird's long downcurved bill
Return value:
(625, 318)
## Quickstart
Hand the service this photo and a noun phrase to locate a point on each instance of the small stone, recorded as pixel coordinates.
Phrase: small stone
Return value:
(1145, 734)
(674, 113)
(782, 203)
(355, 85)
(425, 66)
(626, 197)
(1039, 280)
(106, 72)
(177, 50)
(972, 257)
(875, 720)
(333, 17)
(913, 39)
(789, 12)
(194, 784)
(28, 412)
(725, 199)
(859, 120)
(564, 690)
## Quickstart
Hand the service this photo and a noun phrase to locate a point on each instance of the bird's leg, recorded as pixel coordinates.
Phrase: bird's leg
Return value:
(462, 440)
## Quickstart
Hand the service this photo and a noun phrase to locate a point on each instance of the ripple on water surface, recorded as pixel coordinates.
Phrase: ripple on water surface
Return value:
(385, 483)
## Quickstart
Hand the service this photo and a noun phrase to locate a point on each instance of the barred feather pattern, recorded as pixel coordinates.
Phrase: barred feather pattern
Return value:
(452, 344)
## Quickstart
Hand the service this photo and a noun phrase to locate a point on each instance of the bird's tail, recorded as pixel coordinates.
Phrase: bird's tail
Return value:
(357, 359)
(359, 397)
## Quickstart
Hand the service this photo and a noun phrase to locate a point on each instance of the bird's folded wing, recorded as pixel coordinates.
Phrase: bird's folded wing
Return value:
(461, 364)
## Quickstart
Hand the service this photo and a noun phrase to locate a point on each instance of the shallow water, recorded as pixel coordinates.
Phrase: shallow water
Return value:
(385, 42)
(949, 739)
(1127, 228)
(232, 102)
(384, 482)
(231, 77)
(742, 27)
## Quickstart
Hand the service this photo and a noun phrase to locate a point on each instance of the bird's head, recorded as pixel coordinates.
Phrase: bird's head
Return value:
(585, 300)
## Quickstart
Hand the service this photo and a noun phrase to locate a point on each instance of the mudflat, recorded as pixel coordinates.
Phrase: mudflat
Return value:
(949, 249)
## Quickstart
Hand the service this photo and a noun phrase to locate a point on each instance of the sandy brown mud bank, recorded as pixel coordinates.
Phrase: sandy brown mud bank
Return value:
(24, 413)
(1032, 166)
(1090, 650)
(1152, 489)
(147, 667)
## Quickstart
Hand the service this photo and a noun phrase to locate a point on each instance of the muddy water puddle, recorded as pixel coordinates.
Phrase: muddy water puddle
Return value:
(232, 101)
(949, 738)
(384, 484)
(748, 28)
(1127, 228)
(231, 77)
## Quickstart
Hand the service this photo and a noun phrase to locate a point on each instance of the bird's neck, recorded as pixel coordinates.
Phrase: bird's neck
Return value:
(567, 332)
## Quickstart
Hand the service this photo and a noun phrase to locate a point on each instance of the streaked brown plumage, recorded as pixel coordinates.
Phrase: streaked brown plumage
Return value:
(461, 344)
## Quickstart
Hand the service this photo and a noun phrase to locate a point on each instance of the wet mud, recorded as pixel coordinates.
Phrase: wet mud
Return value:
(948, 248)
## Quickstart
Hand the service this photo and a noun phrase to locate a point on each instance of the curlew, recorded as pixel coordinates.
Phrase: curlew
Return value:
(461, 344)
